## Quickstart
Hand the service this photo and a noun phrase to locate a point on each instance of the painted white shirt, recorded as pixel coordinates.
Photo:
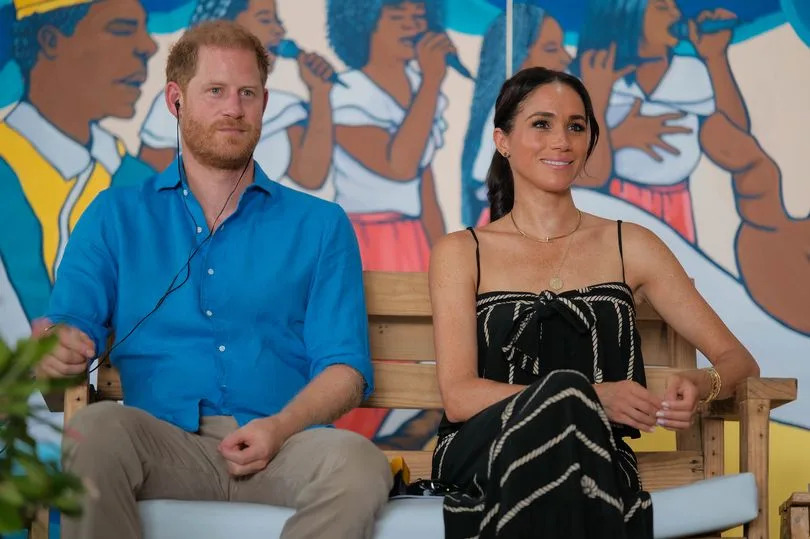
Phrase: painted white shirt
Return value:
(685, 88)
(68, 157)
(363, 103)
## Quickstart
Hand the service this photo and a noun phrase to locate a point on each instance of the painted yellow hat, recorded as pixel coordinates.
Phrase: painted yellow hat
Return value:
(26, 8)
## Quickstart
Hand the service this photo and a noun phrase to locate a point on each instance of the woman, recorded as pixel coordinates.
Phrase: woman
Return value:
(389, 126)
(537, 41)
(655, 114)
(297, 137)
(533, 429)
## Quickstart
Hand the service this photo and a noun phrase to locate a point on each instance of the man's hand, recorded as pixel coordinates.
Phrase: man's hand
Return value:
(70, 355)
(629, 403)
(680, 403)
(251, 448)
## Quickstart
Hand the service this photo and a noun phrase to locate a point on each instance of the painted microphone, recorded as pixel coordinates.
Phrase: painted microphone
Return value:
(287, 48)
(681, 28)
(452, 60)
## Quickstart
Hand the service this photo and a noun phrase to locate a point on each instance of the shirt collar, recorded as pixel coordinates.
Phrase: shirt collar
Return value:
(66, 155)
(170, 179)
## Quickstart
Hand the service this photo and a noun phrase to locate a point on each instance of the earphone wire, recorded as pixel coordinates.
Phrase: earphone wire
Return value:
(187, 265)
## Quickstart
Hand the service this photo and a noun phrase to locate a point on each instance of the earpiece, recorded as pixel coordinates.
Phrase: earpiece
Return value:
(177, 106)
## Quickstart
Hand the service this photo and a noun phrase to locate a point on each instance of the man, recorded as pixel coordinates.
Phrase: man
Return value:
(260, 338)
(297, 137)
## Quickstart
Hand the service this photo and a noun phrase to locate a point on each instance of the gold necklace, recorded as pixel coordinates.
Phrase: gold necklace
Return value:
(556, 282)
(548, 239)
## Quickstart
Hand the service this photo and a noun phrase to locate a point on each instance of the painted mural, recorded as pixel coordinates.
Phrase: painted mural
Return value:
(386, 107)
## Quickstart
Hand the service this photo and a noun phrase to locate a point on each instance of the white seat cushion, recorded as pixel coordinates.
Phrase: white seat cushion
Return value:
(705, 506)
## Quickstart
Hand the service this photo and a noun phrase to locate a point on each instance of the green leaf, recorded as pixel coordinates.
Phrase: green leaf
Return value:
(10, 495)
(10, 519)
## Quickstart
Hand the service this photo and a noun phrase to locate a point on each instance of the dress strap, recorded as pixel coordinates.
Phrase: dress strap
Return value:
(477, 260)
(621, 250)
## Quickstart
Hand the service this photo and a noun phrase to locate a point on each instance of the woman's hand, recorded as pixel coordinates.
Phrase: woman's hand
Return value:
(679, 404)
(629, 403)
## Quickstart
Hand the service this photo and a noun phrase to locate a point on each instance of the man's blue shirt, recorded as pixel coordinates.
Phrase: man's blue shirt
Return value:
(273, 298)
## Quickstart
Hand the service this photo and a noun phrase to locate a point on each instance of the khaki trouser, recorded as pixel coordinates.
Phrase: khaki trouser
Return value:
(335, 479)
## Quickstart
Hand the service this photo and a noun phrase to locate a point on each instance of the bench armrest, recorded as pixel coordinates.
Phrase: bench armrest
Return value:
(777, 391)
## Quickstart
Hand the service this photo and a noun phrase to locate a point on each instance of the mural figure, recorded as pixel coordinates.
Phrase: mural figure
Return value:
(654, 113)
(772, 247)
(297, 137)
(537, 39)
(389, 126)
(81, 62)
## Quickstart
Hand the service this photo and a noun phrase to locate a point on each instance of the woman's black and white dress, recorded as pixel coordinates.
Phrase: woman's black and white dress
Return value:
(546, 462)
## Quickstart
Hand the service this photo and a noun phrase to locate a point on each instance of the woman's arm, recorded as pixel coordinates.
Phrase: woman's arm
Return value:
(452, 296)
(660, 279)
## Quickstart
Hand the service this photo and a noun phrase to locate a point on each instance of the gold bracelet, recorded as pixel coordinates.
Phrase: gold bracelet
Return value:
(717, 384)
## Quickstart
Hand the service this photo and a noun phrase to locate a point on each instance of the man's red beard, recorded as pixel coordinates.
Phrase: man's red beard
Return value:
(211, 148)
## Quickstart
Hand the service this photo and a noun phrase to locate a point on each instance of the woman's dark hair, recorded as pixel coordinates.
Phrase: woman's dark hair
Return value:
(513, 93)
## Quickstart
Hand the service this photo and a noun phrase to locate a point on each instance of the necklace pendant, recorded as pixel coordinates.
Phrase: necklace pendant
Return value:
(556, 283)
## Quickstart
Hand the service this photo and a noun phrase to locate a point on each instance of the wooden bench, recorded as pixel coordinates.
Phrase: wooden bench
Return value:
(401, 335)
(795, 514)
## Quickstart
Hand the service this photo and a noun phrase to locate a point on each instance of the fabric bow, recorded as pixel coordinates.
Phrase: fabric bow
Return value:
(523, 345)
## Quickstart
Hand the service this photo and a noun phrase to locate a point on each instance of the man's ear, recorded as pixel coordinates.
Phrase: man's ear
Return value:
(174, 98)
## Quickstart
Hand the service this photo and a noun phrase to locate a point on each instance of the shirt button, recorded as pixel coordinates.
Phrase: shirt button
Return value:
(185, 192)
(199, 229)
(221, 348)
(209, 313)
(210, 271)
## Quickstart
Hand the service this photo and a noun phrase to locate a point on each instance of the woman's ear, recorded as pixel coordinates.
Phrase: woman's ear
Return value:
(501, 142)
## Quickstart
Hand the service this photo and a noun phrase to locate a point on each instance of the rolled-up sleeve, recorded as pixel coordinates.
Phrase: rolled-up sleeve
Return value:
(336, 324)
(84, 290)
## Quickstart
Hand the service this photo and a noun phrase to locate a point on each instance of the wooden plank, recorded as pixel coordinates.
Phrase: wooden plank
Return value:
(659, 470)
(405, 385)
(40, 525)
(401, 338)
(667, 469)
(654, 344)
(754, 415)
(795, 523)
(777, 390)
(397, 293)
(77, 398)
(398, 385)
(713, 446)
(683, 354)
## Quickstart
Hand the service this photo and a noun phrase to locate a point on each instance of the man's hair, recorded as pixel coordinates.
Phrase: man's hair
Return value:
(182, 63)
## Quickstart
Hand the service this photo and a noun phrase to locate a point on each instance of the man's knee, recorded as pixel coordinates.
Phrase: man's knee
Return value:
(355, 466)
(97, 430)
